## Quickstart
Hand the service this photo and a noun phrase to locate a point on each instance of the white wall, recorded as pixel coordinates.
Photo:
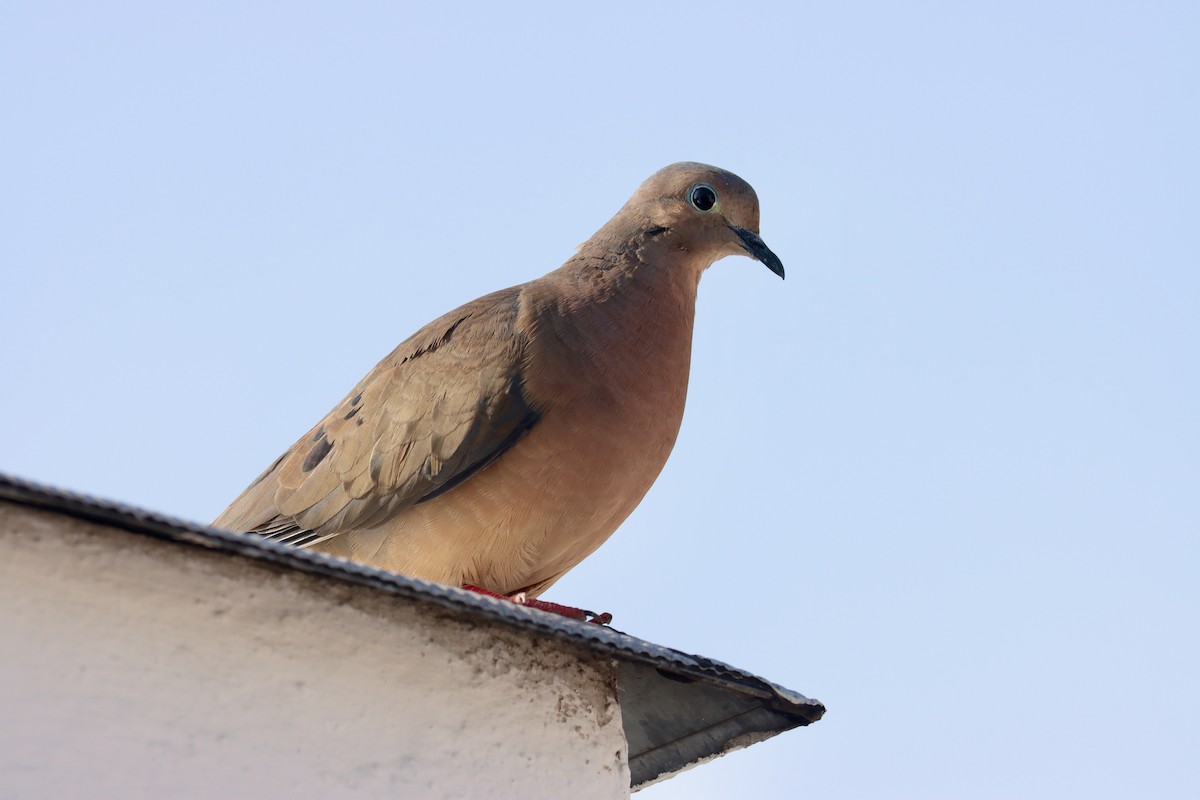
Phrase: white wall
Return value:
(132, 667)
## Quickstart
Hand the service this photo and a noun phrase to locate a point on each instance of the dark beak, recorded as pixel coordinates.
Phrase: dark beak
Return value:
(753, 244)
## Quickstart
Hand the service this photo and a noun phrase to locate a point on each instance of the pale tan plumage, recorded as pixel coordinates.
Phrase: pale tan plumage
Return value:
(505, 441)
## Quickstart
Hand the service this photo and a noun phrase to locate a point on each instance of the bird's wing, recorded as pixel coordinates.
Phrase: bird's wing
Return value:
(442, 406)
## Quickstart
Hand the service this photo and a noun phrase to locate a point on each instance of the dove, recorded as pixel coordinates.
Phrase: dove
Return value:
(504, 442)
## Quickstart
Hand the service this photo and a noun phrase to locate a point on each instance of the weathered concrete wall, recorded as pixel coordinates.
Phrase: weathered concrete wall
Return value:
(132, 667)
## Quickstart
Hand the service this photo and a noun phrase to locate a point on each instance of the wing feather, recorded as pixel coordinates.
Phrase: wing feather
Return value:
(442, 406)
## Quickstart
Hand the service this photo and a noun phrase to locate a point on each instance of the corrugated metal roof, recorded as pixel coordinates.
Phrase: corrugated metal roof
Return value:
(678, 708)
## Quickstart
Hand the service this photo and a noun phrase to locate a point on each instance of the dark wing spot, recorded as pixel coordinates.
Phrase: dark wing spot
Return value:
(316, 455)
(352, 413)
(320, 432)
(436, 343)
(354, 400)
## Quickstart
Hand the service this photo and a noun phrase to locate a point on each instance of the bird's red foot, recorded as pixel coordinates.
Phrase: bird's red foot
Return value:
(520, 599)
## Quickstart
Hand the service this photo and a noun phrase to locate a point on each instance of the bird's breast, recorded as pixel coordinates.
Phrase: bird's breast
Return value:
(611, 389)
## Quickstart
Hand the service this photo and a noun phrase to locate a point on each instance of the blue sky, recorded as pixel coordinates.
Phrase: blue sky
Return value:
(944, 478)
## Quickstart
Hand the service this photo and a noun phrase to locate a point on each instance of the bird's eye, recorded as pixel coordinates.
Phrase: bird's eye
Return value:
(703, 197)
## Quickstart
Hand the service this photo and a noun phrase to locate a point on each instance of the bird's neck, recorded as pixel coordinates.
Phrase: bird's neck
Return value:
(623, 325)
(635, 294)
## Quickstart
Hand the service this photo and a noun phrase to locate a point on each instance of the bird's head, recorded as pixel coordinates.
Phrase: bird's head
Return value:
(706, 211)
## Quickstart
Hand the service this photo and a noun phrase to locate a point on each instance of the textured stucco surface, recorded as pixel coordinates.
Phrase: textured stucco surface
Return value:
(136, 668)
